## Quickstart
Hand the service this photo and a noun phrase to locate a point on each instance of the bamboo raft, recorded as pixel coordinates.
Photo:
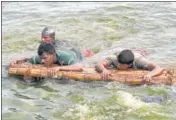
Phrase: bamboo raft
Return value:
(131, 77)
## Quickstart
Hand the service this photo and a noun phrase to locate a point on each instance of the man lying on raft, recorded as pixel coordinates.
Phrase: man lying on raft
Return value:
(48, 56)
(127, 59)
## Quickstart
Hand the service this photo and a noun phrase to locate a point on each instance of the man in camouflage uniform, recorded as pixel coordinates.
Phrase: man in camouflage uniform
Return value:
(128, 59)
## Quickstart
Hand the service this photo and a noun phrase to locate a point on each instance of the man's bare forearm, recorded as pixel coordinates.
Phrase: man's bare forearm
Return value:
(76, 67)
(99, 67)
(156, 71)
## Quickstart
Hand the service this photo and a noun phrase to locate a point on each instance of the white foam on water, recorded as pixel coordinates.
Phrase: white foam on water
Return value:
(128, 100)
(81, 111)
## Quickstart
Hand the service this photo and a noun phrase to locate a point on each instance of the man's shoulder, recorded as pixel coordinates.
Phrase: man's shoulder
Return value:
(111, 59)
(35, 59)
(140, 62)
(137, 55)
(63, 54)
(66, 57)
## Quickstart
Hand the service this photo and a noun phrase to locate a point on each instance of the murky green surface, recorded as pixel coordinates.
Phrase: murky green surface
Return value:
(104, 27)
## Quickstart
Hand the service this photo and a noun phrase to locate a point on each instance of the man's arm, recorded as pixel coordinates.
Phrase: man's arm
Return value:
(154, 69)
(101, 68)
(75, 67)
(32, 60)
(19, 61)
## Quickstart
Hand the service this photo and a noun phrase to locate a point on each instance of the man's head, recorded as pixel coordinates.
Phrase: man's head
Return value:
(47, 53)
(125, 59)
(48, 35)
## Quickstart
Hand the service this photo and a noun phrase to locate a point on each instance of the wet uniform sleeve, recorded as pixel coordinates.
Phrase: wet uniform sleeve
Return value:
(35, 60)
(111, 60)
(68, 58)
(72, 60)
(141, 63)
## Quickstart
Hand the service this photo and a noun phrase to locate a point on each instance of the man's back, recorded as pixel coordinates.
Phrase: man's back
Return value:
(69, 46)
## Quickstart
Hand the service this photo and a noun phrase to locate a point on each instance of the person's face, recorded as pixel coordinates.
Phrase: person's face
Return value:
(47, 59)
(47, 39)
(122, 66)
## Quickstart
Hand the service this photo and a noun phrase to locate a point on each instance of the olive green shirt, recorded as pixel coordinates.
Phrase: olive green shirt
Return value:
(140, 62)
(68, 45)
(64, 57)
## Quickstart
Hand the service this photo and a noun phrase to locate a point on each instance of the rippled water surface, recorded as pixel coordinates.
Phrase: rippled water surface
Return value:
(104, 27)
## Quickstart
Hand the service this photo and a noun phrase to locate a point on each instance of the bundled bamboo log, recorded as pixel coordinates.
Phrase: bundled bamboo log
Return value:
(132, 77)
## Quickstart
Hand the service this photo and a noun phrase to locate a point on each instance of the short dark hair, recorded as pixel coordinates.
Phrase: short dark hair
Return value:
(125, 57)
(48, 31)
(46, 47)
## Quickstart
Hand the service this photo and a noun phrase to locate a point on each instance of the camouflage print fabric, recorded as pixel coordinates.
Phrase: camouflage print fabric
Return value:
(140, 62)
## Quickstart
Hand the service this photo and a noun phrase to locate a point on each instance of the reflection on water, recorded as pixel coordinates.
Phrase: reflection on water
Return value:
(105, 27)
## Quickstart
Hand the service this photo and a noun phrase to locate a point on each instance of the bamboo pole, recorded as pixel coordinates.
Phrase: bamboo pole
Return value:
(132, 77)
